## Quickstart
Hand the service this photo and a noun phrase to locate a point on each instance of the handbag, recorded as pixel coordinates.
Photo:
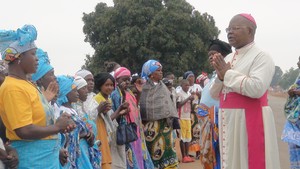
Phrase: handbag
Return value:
(126, 132)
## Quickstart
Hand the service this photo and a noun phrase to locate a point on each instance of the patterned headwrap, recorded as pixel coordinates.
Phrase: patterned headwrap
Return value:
(83, 73)
(13, 43)
(66, 84)
(188, 74)
(149, 67)
(79, 82)
(249, 17)
(121, 71)
(3, 67)
(44, 65)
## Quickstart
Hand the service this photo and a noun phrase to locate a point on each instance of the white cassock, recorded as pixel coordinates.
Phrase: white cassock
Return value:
(250, 75)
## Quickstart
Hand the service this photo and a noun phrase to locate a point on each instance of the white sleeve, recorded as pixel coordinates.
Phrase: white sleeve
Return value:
(92, 109)
(63, 109)
(216, 88)
(257, 82)
(178, 88)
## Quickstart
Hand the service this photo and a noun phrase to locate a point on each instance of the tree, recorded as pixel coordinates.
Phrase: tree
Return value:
(277, 76)
(288, 78)
(133, 31)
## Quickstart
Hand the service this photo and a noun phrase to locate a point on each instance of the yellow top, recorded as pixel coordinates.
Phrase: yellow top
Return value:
(102, 136)
(20, 105)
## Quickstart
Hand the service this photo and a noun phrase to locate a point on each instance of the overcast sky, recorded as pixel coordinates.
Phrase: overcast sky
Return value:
(59, 24)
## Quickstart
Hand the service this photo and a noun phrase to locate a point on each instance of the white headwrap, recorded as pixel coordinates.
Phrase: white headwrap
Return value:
(83, 73)
(79, 82)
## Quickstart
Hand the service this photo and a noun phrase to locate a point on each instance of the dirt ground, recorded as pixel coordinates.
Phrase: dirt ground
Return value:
(276, 102)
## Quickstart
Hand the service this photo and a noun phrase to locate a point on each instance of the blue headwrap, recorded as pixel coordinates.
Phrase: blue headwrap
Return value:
(65, 86)
(187, 74)
(13, 43)
(44, 65)
(149, 67)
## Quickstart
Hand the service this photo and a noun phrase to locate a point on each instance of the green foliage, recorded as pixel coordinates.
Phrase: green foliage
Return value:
(134, 31)
(288, 78)
(277, 76)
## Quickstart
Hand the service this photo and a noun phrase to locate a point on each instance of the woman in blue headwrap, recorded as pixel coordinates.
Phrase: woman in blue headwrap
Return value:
(46, 82)
(159, 115)
(94, 156)
(44, 76)
(291, 130)
(21, 110)
(76, 159)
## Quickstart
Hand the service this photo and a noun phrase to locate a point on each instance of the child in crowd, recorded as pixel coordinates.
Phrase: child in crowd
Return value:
(184, 101)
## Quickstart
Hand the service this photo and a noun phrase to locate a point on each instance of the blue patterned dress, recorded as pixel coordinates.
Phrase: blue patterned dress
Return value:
(80, 154)
(291, 131)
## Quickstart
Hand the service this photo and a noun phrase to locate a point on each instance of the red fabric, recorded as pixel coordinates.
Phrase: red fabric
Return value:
(201, 77)
(121, 71)
(134, 110)
(249, 17)
(254, 125)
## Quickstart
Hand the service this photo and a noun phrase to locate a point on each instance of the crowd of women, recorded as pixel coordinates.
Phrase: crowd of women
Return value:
(59, 122)
(80, 121)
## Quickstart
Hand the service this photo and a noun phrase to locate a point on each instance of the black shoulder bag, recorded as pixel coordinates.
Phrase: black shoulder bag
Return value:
(126, 132)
